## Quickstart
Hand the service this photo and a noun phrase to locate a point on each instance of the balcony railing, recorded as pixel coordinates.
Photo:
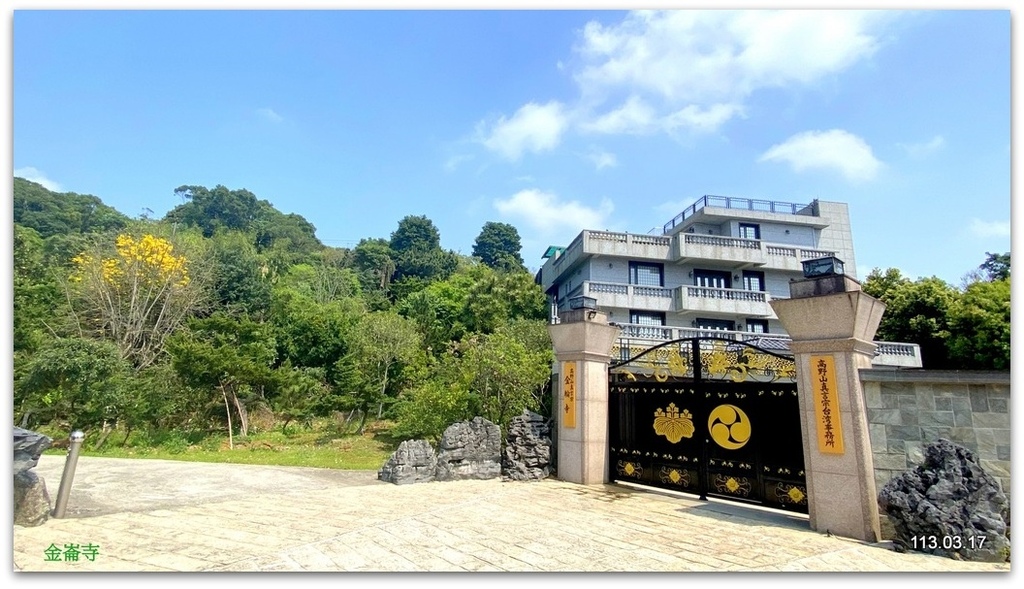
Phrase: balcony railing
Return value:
(893, 354)
(728, 202)
(729, 294)
(631, 296)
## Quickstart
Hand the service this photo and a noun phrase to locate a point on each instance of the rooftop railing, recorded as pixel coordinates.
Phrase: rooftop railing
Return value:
(729, 202)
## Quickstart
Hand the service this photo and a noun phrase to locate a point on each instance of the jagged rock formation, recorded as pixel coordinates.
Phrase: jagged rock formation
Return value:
(948, 506)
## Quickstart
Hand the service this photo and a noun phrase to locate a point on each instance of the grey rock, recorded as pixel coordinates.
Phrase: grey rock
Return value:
(948, 506)
(28, 447)
(527, 455)
(31, 501)
(469, 450)
(413, 462)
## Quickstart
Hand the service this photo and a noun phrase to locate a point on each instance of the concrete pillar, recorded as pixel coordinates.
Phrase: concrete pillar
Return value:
(583, 346)
(832, 323)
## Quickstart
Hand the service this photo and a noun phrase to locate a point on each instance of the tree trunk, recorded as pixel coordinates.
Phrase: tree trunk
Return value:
(243, 415)
(227, 410)
(362, 421)
(103, 435)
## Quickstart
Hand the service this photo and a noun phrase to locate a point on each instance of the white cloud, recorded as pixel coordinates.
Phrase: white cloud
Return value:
(34, 175)
(834, 149)
(980, 228)
(453, 162)
(920, 150)
(534, 127)
(695, 69)
(602, 159)
(545, 212)
(269, 115)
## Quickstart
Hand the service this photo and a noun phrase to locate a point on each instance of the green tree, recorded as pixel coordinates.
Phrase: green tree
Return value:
(996, 266)
(979, 325)
(239, 283)
(76, 382)
(498, 246)
(381, 344)
(219, 208)
(374, 263)
(418, 255)
(53, 213)
(39, 303)
(232, 356)
(916, 312)
(507, 371)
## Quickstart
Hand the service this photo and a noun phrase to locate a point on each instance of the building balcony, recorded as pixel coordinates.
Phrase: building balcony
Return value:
(605, 243)
(789, 258)
(634, 338)
(722, 301)
(723, 251)
(629, 296)
(717, 209)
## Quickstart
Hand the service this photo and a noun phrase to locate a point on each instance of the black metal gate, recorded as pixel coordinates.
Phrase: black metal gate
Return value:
(729, 428)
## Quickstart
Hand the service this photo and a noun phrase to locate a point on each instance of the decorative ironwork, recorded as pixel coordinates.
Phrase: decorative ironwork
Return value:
(630, 469)
(731, 428)
(792, 494)
(720, 359)
(733, 485)
(673, 425)
(674, 476)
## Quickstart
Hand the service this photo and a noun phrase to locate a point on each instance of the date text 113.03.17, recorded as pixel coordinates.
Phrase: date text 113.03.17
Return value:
(947, 542)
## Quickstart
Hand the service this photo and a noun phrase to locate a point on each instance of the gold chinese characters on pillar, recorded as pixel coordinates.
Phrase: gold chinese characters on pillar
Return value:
(569, 394)
(826, 404)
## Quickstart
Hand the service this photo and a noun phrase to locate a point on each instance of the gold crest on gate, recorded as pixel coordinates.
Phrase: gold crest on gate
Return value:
(672, 425)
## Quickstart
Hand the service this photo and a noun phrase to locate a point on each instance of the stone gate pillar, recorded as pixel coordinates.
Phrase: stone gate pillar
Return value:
(583, 346)
(832, 323)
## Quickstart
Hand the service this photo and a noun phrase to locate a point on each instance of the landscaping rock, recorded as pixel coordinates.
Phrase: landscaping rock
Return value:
(469, 450)
(28, 447)
(413, 462)
(31, 501)
(948, 506)
(527, 455)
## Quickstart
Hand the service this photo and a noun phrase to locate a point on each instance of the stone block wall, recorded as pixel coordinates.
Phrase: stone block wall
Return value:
(910, 409)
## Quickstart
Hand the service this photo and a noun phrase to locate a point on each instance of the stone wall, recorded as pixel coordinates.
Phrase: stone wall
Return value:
(909, 409)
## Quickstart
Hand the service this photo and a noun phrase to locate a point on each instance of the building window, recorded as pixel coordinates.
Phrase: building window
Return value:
(646, 274)
(757, 326)
(753, 280)
(647, 318)
(712, 279)
(750, 231)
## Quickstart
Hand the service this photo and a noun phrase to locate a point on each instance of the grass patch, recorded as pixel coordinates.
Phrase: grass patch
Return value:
(320, 445)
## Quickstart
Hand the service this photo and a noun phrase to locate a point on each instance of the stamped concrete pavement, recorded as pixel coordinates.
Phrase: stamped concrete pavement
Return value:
(159, 515)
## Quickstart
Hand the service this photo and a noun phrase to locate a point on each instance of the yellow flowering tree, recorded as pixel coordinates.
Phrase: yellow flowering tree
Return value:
(135, 293)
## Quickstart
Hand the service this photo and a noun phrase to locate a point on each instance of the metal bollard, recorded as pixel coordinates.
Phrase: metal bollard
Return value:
(77, 437)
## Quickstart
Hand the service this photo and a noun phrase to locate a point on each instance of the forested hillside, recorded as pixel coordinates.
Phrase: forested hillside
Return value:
(228, 315)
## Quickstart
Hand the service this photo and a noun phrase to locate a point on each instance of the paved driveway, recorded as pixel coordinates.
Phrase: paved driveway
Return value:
(157, 515)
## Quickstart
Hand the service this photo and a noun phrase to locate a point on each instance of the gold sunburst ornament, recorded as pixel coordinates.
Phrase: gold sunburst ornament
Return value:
(796, 495)
(673, 425)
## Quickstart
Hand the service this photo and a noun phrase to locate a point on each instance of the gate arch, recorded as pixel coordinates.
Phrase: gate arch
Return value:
(709, 416)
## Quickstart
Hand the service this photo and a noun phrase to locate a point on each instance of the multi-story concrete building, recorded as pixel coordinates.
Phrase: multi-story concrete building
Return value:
(712, 270)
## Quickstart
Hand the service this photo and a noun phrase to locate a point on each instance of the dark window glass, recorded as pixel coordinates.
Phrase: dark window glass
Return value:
(753, 280)
(757, 326)
(647, 318)
(712, 279)
(644, 274)
(750, 231)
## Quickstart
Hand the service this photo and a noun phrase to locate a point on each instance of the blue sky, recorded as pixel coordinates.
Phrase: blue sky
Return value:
(553, 121)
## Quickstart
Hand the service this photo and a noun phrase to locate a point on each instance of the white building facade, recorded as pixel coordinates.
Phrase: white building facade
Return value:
(712, 271)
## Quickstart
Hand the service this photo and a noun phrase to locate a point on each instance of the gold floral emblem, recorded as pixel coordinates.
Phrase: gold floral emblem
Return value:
(796, 495)
(673, 425)
(732, 485)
